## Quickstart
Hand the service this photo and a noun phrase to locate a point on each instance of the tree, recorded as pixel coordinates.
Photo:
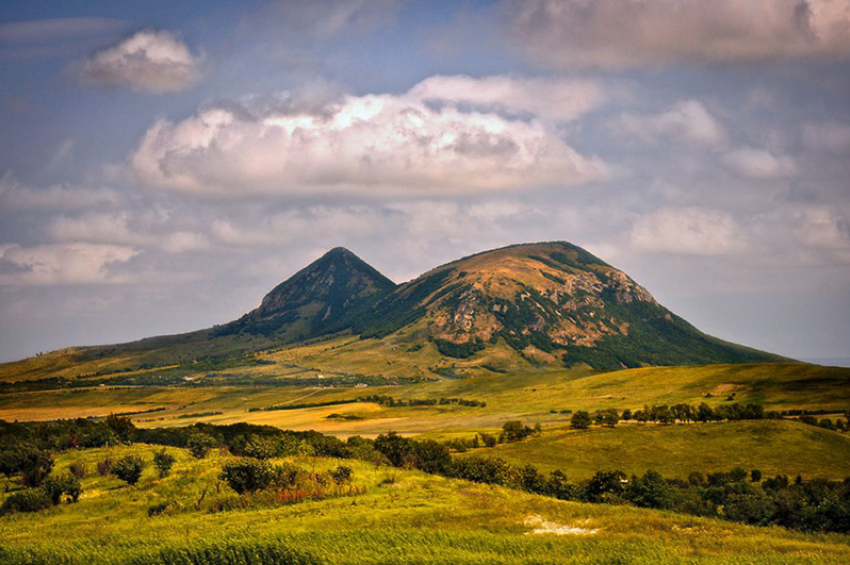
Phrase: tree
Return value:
(559, 487)
(199, 444)
(605, 484)
(163, 462)
(431, 456)
(396, 448)
(650, 491)
(129, 469)
(513, 430)
(704, 413)
(32, 463)
(580, 420)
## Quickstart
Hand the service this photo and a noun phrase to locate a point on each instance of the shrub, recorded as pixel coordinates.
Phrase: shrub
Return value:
(515, 431)
(163, 462)
(157, 509)
(78, 469)
(199, 444)
(56, 487)
(580, 420)
(104, 466)
(431, 456)
(398, 449)
(27, 500)
(341, 475)
(129, 469)
(755, 475)
(248, 475)
(32, 463)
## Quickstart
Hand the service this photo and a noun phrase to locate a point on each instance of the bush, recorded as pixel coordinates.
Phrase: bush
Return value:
(248, 475)
(431, 456)
(78, 469)
(129, 469)
(27, 500)
(163, 462)
(396, 448)
(341, 475)
(32, 463)
(580, 420)
(56, 487)
(199, 444)
(104, 466)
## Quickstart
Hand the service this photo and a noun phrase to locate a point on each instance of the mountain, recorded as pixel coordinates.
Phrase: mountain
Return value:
(549, 304)
(316, 300)
(554, 303)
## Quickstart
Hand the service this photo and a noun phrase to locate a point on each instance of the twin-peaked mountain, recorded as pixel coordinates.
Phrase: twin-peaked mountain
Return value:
(551, 303)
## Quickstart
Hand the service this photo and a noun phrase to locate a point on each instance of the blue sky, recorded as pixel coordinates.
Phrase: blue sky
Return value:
(163, 165)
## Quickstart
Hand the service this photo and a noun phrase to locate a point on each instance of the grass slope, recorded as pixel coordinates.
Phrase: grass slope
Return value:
(405, 517)
(772, 446)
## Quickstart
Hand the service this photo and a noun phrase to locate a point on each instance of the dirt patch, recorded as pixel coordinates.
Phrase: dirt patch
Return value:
(542, 526)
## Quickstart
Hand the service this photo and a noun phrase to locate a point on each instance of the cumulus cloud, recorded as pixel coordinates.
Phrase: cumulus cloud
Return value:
(363, 145)
(556, 99)
(149, 60)
(688, 120)
(688, 231)
(635, 33)
(759, 164)
(69, 263)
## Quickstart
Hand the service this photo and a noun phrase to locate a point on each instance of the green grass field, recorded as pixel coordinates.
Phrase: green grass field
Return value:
(772, 446)
(404, 517)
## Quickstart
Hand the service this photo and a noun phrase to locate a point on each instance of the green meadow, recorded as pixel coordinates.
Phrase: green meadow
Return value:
(775, 447)
(400, 517)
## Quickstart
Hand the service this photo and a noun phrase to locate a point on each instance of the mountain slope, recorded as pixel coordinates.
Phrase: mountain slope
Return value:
(316, 300)
(555, 303)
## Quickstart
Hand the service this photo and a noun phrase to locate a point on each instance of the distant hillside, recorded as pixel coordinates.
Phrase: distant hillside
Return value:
(551, 304)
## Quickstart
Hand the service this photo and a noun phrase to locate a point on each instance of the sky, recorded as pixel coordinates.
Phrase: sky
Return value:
(163, 164)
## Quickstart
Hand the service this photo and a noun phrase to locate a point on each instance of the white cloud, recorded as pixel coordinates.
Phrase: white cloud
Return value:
(69, 263)
(555, 99)
(635, 33)
(759, 164)
(688, 231)
(359, 145)
(149, 60)
(688, 120)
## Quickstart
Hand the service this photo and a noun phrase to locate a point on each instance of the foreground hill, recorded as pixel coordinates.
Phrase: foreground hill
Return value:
(401, 517)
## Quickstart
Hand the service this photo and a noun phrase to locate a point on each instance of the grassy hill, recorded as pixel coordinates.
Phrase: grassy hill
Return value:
(403, 517)
(775, 447)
